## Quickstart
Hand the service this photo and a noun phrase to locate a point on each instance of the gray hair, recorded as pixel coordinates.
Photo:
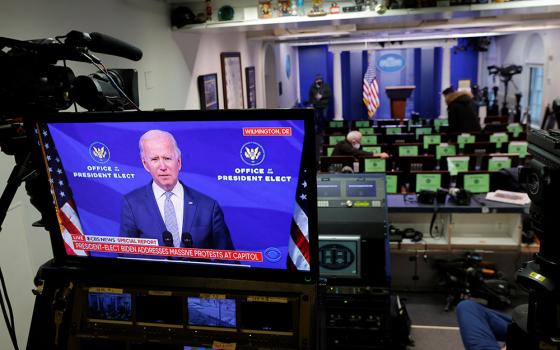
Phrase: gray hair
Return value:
(152, 134)
(353, 136)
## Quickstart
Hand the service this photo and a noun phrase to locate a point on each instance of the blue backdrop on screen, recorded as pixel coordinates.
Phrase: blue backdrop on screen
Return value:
(257, 213)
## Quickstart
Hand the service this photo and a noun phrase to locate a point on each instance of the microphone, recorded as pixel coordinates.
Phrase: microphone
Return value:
(187, 240)
(103, 43)
(167, 238)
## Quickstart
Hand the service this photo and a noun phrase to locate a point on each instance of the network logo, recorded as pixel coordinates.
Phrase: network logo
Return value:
(252, 153)
(99, 152)
(272, 254)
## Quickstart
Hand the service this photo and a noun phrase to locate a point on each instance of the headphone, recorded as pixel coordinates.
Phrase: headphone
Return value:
(410, 233)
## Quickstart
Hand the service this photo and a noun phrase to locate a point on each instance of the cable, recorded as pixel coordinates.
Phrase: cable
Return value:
(9, 314)
(99, 65)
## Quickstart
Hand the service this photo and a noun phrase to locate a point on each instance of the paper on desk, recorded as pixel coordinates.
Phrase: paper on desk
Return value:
(508, 197)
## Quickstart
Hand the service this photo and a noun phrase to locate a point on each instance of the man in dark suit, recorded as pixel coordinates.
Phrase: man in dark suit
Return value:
(167, 210)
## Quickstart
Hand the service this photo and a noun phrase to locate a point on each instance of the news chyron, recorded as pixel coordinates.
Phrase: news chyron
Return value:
(224, 192)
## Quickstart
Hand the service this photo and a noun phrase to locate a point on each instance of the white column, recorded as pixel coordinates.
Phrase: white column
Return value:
(445, 77)
(337, 85)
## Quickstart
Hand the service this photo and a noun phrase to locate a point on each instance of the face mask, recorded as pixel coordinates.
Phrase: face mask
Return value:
(356, 145)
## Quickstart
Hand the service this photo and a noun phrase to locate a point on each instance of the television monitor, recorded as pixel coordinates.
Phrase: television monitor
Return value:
(242, 172)
(114, 306)
(159, 310)
(339, 256)
(268, 315)
(211, 312)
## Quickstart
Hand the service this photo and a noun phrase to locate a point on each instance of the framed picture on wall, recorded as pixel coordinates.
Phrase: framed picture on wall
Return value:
(251, 87)
(208, 91)
(232, 81)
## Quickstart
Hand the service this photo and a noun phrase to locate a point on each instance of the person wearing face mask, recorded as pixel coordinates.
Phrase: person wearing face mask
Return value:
(352, 147)
(319, 95)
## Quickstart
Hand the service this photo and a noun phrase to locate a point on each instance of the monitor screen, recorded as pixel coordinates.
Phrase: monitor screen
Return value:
(339, 256)
(159, 310)
(112, 307)
(201, 191)
(211, 312)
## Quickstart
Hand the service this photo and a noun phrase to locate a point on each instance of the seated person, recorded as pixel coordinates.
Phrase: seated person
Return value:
(481, 328)
(352, 147)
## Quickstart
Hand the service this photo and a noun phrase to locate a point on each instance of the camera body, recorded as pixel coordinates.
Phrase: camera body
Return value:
(540, 320)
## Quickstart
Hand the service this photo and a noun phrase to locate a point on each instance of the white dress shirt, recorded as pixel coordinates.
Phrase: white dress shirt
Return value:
(178, 200)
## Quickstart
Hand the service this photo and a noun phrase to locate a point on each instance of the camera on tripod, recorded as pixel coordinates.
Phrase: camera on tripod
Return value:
(541, 320)
(33, 83)
(506, 74)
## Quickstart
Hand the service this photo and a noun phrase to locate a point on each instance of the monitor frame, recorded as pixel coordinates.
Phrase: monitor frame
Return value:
(196, 270)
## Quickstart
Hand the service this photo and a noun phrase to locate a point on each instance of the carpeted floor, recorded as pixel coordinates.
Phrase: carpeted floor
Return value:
(432, 327)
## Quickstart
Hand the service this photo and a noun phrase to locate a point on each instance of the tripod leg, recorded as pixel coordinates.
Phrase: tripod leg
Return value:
(19, 173)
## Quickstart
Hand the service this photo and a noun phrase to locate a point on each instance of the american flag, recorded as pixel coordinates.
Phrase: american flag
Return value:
(68, 219)
(371, 91)
(298, 248)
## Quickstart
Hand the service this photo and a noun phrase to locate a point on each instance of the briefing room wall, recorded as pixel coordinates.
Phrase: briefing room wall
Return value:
(514, 49)
(163, 78)
(287, 74)
(464, 63)
(201, 54)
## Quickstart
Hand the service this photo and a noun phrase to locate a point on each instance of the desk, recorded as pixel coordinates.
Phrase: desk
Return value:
(481, 225)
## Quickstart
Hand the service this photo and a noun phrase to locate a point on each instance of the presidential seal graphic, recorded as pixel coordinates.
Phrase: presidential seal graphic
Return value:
(252, 153)
(99, 152)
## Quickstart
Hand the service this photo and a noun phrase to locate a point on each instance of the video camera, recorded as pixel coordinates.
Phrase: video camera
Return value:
(506, 73)
(541, 179)
(32, 82)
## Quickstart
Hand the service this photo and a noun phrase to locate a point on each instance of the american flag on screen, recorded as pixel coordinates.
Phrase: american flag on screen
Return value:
(299, 257)
(68, 219)
(371, 91)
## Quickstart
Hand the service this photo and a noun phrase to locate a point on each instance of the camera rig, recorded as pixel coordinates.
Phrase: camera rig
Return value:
(32, 83)
(506, 74)
(541, 178)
